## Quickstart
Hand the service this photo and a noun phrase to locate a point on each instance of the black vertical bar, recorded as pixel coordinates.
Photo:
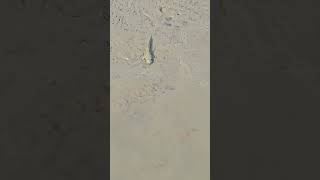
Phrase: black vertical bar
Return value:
(266, 90)
(54, 90)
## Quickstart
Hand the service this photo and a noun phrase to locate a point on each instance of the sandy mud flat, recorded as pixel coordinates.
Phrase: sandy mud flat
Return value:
(160, 91)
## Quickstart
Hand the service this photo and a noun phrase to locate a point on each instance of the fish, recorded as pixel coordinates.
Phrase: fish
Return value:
(148, 55)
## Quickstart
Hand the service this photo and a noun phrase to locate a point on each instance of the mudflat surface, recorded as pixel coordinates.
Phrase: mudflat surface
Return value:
(160, 111)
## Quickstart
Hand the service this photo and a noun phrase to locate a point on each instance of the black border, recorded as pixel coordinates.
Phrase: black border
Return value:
(265, 90)
(55, 90)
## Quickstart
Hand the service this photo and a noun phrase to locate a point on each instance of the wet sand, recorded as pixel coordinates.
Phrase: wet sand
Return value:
(160, 94)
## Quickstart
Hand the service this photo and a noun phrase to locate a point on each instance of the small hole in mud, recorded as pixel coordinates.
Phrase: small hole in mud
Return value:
(168, 24)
